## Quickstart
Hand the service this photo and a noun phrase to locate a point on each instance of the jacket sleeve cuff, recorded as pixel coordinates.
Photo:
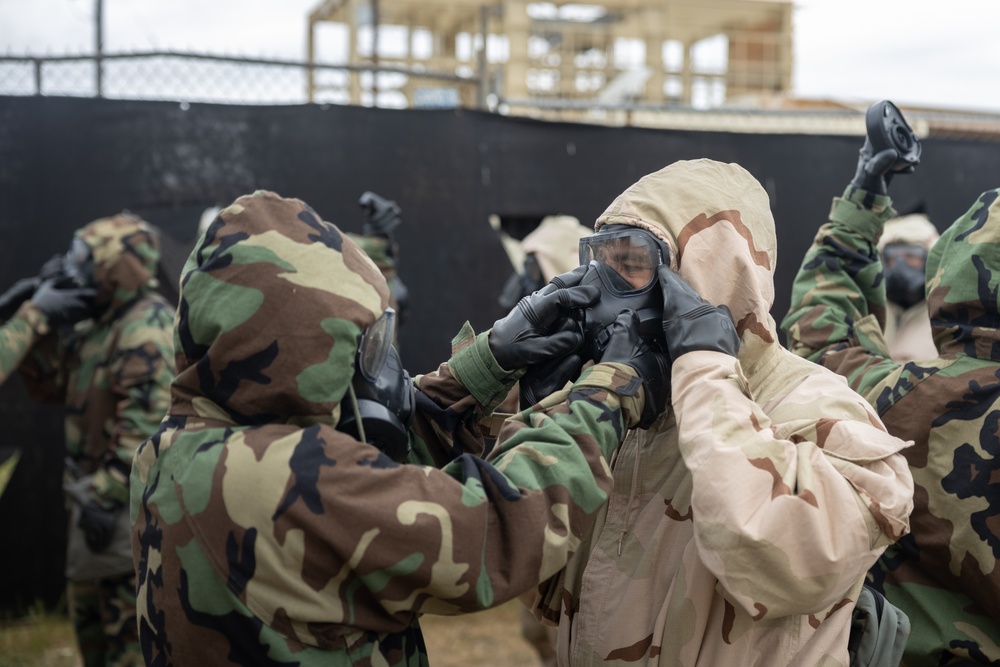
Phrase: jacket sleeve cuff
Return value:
(850, 210)
(473, 364)
(620, 380)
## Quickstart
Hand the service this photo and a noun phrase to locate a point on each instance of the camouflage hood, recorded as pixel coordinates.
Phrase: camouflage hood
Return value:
(963, 282)
(273, 301)
(126, 250)
(717, 221)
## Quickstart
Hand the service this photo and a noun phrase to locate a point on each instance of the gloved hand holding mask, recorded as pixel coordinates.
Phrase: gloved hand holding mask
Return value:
(551, 375)
(690, 323)
(538, 329)
(18, 293)
(626, 346)
(890, 147)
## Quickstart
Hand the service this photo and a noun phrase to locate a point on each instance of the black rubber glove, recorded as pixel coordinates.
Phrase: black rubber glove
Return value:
(625, 346)
(382, 216)
(690, 323)
(875, 170)
(20, 292)
(536, 329)
(551, 375)
(63, 305)
(98, 525)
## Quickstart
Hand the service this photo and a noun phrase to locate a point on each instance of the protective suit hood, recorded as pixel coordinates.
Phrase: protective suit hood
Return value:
(555, 243)
(273, 301)
(716, 219)
(126, 250)
(963, 282)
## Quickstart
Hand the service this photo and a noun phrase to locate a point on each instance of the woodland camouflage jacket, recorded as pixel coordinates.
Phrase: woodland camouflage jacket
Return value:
(263, 536)
(742, 522)
(945, 574)
(112, 371)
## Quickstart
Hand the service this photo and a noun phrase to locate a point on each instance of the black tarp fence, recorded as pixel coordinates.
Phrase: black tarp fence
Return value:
(65, 161)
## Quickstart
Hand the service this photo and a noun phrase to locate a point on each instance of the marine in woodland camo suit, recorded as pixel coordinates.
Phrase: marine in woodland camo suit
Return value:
(742, 522)
(945, 574)
(112, 372)
(263, 536)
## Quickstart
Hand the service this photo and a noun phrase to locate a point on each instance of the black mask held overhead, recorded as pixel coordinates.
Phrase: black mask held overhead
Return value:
(622, 262)
(379, 406)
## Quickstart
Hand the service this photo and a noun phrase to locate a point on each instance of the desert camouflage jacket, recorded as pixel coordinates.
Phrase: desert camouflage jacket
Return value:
(742, 522)
(112, 372)
(264, 536)
(945, 574)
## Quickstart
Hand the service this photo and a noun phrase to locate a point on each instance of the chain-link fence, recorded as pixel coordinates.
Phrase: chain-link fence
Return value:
(186, 77)
(189, 77)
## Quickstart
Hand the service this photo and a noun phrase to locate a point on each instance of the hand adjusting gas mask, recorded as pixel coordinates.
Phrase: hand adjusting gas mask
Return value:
(378, 408)
(622, 262)
(73, 269)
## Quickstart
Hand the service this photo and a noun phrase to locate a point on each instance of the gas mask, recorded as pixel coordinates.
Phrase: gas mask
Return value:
(378, 408)
(78, 264)
(903, 266)
(622, 262)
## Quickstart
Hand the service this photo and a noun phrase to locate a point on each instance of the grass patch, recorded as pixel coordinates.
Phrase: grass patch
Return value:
(493, 637)
(40, 639)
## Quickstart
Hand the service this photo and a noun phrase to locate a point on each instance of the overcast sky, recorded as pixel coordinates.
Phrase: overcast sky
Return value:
(940, 54)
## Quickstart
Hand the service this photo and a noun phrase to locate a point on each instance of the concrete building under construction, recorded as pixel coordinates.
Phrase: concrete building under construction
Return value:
(691, 53)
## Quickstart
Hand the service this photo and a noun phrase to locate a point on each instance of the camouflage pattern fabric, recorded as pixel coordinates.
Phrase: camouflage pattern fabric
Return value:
(945, 574)
(742, 522)
(17, 335)
(263, 536)
(112, 373)
(378, 250)
(103, 615)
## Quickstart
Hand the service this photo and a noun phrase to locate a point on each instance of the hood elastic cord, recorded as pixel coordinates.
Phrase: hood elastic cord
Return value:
(357, 413)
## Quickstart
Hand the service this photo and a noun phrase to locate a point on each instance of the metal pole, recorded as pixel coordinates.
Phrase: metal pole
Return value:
(99, 47)
(484, 30)
(375, 17)
(38, 75)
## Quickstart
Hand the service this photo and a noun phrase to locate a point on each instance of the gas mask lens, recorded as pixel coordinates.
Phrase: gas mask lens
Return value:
(375, 344)
(626, 259)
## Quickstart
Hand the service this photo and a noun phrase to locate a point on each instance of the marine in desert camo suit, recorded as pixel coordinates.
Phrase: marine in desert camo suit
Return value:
(945, 575)
(263, 535)
(741, 523)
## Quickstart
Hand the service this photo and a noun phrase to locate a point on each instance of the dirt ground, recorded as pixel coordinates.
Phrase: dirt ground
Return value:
(488, 638)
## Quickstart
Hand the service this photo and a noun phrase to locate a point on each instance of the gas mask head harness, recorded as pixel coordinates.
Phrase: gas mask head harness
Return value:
(378, 408)
(621, 261)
